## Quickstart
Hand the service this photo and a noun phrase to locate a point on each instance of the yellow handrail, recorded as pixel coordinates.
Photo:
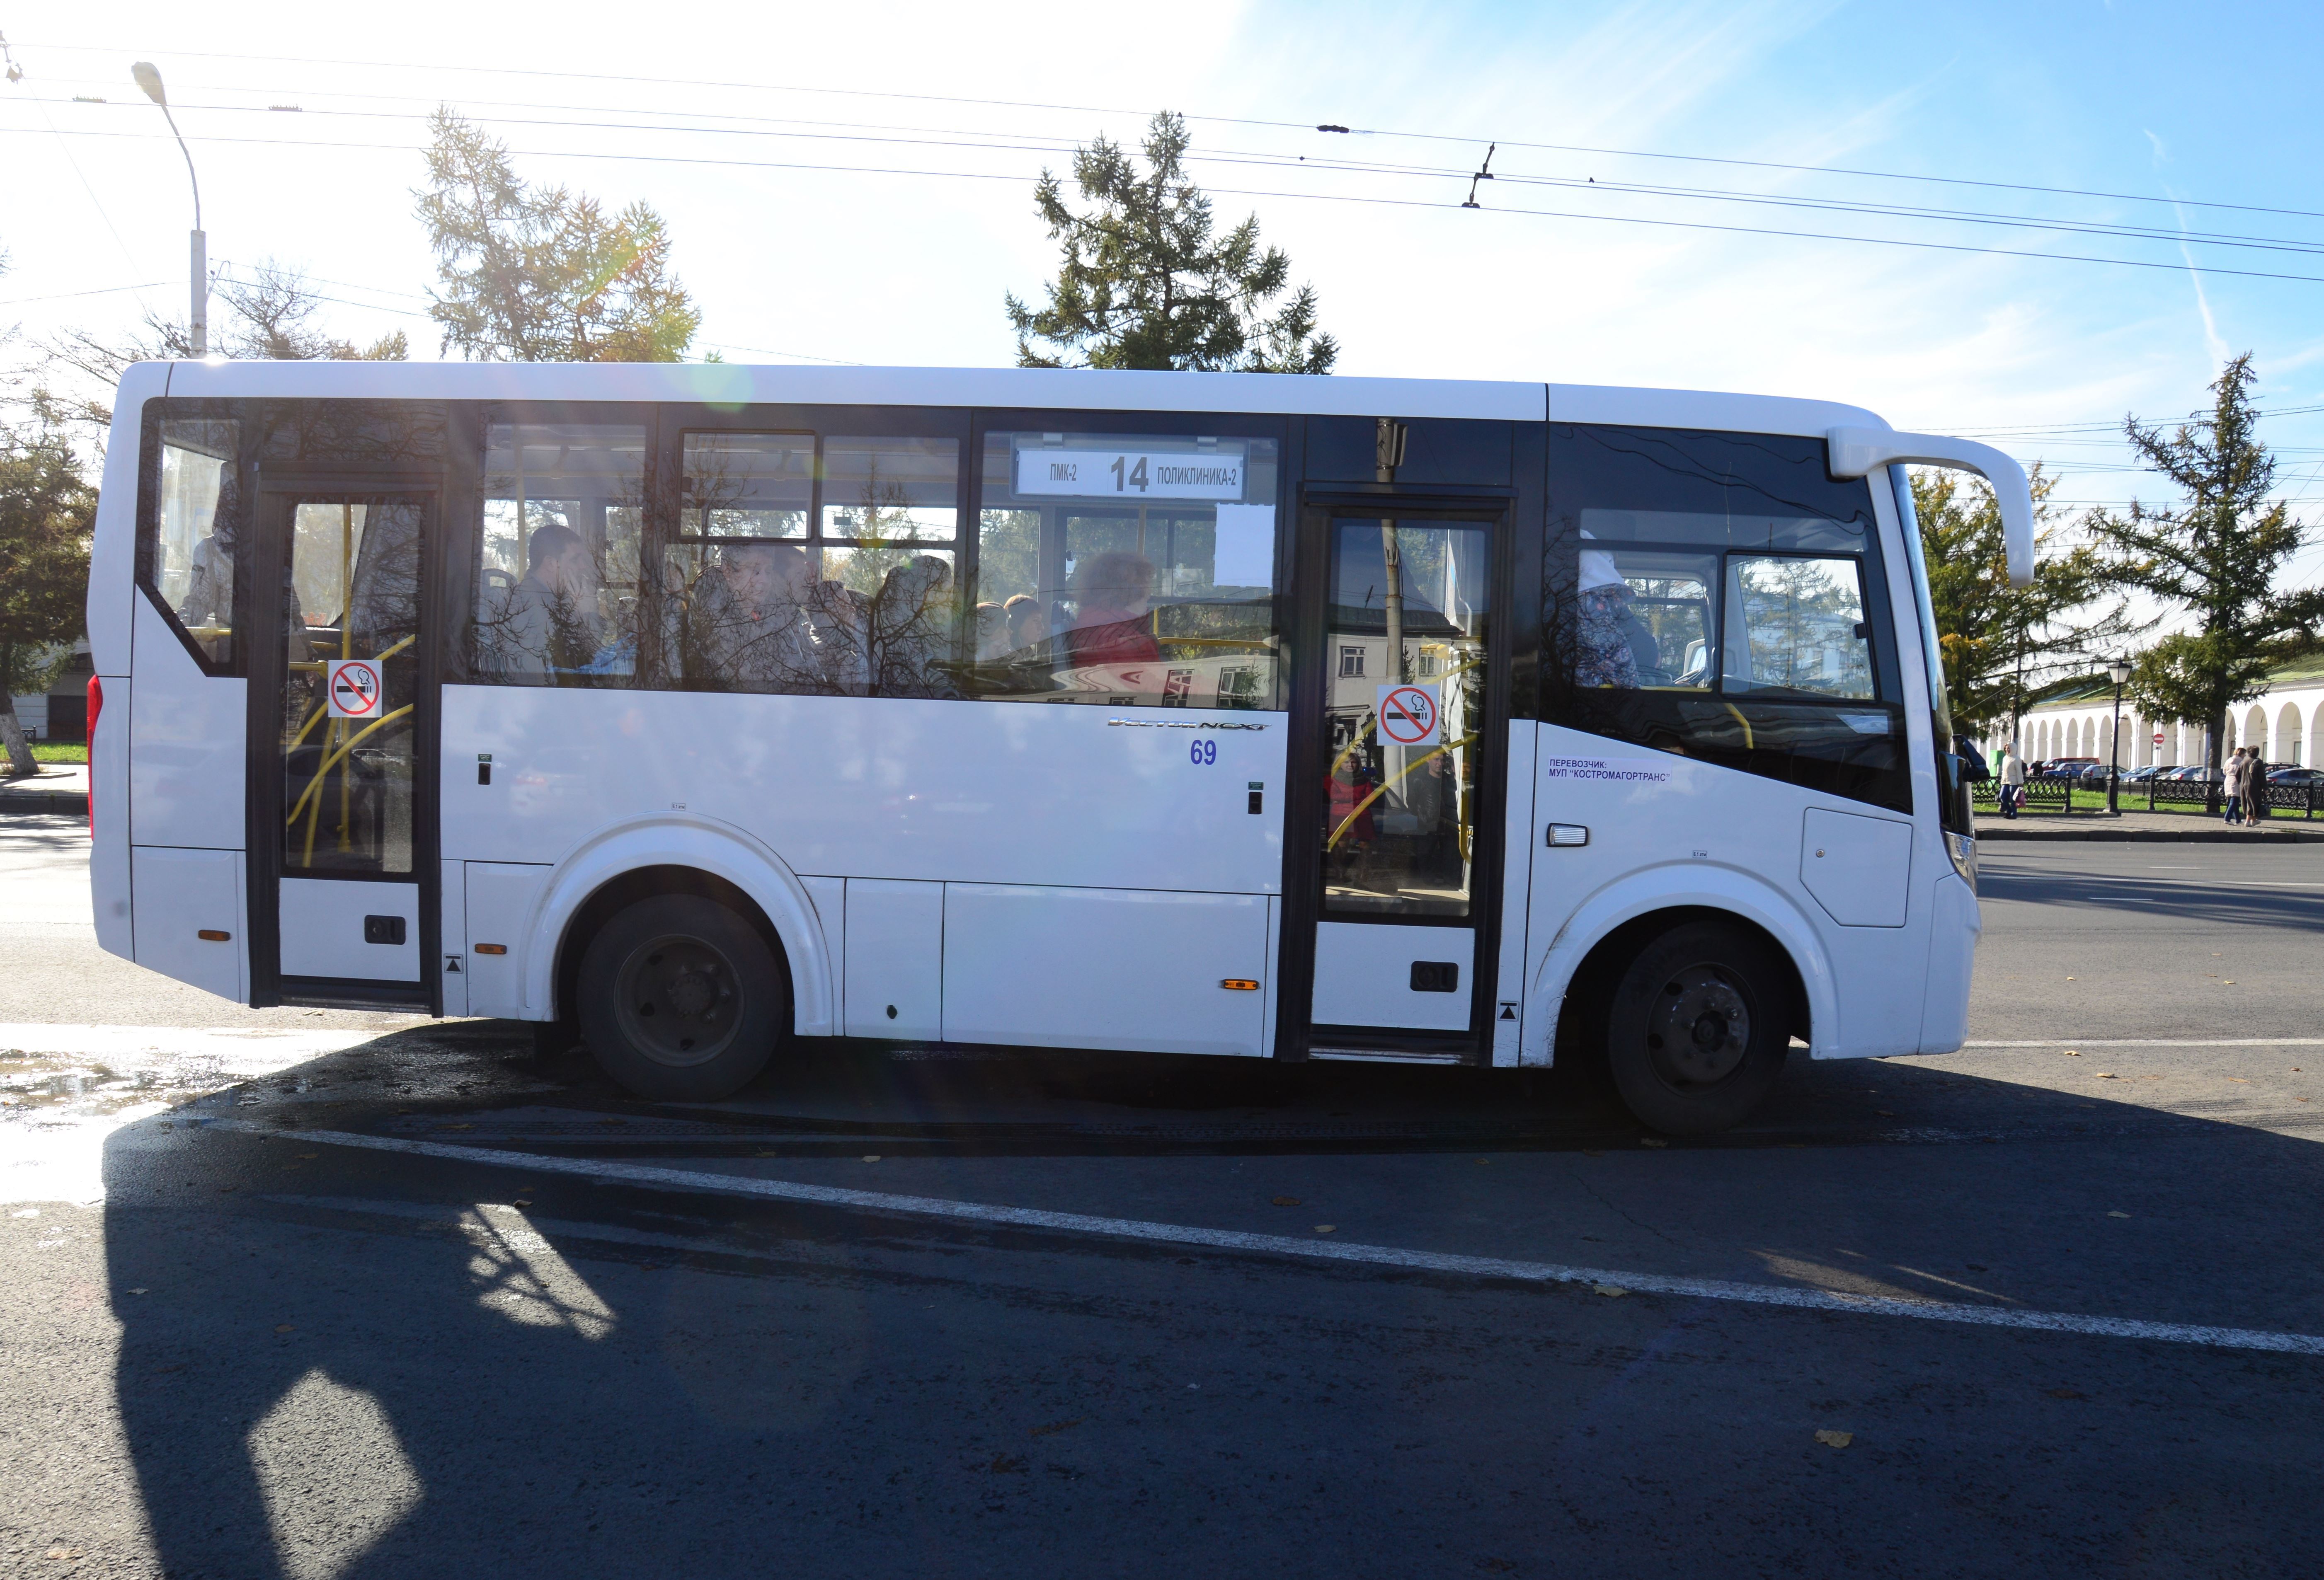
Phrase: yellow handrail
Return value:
(313, 718)
(335, 758)
(1386, 785)
(1370, 719)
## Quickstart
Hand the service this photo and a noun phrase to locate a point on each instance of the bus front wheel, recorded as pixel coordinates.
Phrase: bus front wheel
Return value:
(680, 999)
(1698, 1029)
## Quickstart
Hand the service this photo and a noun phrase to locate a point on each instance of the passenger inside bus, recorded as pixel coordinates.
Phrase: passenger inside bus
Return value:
(1111, 596)
(1611, 644)
(764, 624)
(548, 623)
(1028, 622)
(912, 629)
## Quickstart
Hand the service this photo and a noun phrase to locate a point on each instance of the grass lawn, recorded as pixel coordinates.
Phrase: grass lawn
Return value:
(58, 751)
(2133, 799)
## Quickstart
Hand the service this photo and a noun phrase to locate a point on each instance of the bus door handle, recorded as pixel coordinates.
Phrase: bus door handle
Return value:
(1568, 835)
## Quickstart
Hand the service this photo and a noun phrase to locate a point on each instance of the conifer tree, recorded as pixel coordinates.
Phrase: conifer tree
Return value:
(1143, 281)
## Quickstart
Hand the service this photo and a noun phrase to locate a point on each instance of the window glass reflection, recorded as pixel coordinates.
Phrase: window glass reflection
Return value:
(1121, 569)
(558, 591)
(748, 485)
(192, 557)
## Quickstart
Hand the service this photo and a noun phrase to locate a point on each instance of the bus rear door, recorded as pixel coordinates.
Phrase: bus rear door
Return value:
(343, 875)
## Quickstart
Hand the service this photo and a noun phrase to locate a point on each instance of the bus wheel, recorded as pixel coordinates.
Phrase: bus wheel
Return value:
(680, 999)
(1698, 1028)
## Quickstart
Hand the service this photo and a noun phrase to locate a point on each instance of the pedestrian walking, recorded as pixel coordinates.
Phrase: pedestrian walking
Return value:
(2013, 781)
(2231, 787)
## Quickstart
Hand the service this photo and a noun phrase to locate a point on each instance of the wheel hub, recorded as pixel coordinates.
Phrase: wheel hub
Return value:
(1699, 1027)
(678, 1001)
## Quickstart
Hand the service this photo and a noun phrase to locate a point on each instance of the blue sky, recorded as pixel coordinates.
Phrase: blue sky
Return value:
(2167, 107)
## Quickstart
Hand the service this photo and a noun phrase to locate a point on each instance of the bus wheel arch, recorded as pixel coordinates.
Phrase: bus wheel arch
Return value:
(1589, 988)
(628, 863)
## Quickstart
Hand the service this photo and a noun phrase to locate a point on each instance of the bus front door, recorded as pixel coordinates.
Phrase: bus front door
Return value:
(1400, 716)
(342, 875)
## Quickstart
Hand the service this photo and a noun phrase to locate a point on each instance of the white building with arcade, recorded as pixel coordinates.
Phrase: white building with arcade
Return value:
(2075, 718)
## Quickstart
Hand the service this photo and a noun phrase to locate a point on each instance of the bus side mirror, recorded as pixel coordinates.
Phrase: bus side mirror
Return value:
(1857, 452)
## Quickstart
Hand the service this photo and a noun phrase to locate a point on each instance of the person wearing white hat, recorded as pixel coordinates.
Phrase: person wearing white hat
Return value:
(1604, 655)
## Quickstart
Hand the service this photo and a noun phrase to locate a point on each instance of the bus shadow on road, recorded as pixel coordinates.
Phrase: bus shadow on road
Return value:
(353, 1363)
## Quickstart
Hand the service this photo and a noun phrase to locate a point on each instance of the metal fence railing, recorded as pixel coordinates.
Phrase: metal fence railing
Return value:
(2080, 795)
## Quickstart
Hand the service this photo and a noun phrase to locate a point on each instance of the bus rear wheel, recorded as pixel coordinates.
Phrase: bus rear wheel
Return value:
(1698, 1029)
(680, 999)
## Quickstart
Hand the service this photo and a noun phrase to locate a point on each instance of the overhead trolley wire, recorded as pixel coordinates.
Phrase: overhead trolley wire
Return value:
(2174, 267)
(1217, 120)
(1023, 142)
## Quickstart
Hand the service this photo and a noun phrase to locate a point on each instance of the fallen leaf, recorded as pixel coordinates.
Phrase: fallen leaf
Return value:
(2066, 1394)
(1498, 1565)
(1832, 1439)
(2069, 979)
(1650, 1141)
(137, 1291)
(1002, 1465)
(1286, 1201)
(463, 1125)
(1592, 1152)
(2111, 1213)
(1612, 1291)
(2228, 983)
(1057, 1426)
(286, 1328)
(2239, 1081)
(63, 1552)
(1886, 1113)
(310, 1154)
(871, 1157)
(1325, 1228)
(1484, 1160)
(2109, 1075)
(2073, 1053)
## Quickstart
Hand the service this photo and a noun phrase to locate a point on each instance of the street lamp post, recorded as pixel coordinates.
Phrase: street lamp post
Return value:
(2118, 672)
(197, 322)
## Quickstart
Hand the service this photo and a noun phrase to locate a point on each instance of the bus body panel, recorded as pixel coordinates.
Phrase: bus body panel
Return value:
(185, 895)
(1522, 833)
(1068, 797)
(1953, 949)
(694, 840)
(500, 910)
(738, 384)
(187, 764)
(113, 552)
(109, 885)
(1051, 968)
(1703, 409)
(451, 895)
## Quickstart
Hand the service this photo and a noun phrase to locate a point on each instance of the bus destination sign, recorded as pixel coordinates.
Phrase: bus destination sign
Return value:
(1103, 472)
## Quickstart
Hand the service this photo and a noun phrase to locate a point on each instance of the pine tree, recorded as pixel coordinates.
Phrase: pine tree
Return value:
(541, 274)
(1142, 281)
(2214, 558)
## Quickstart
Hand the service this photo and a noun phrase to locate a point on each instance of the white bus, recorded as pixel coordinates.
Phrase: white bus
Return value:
(690, 710)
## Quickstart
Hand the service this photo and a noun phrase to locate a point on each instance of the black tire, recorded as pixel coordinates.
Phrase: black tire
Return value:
(681, 1000)
(1698, 1028)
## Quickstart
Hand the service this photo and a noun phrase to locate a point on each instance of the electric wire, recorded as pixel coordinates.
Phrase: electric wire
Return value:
(1958, 247)
(1214, 120)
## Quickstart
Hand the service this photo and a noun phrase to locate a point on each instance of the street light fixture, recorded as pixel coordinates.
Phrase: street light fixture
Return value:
(197, 323)
(2118, 672)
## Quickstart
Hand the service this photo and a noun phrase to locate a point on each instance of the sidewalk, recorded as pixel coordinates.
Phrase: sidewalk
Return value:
(60, 788)
(2140, 826)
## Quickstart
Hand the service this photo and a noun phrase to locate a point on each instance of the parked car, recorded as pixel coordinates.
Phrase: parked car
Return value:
(2297, 776)
(2141, 775)
(2066, 768)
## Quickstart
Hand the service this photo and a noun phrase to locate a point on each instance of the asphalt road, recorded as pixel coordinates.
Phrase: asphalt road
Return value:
(316, 1295)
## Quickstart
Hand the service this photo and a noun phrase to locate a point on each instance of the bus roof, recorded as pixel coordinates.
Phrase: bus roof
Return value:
(749, 384)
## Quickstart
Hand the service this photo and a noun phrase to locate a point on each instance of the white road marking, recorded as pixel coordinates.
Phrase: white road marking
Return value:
(2152, 1042)
(263, 1049)
(930, 1207)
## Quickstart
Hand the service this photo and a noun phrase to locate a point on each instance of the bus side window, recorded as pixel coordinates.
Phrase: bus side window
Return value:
(188, 559)
(557, 572)
(1123, 569)
(1717, 596)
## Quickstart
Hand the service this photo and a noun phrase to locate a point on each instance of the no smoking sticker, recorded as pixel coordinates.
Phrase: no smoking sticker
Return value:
(1407, 713)
(352, 688)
